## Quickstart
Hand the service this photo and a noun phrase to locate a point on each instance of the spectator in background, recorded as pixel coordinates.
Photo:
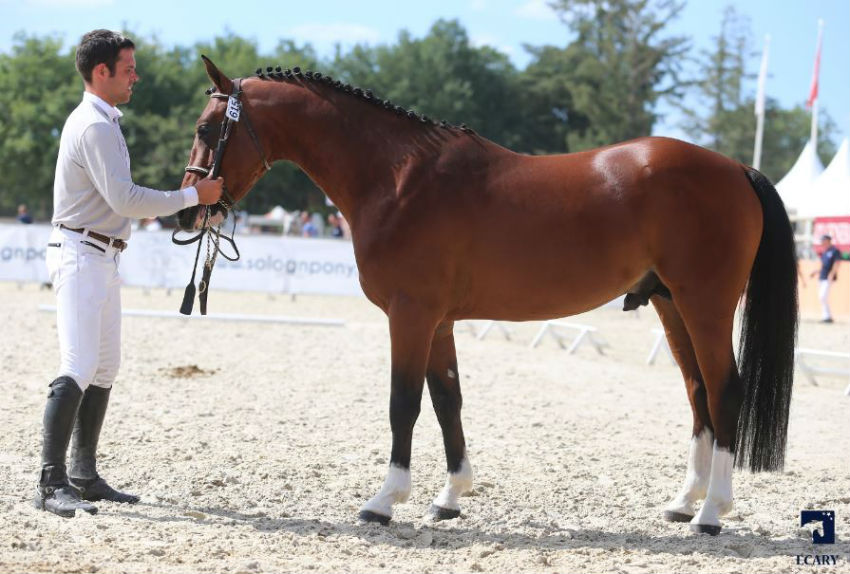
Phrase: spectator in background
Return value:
(343, 223)
(828, 273)
(308, 228)
(335, 226)
(24, 215)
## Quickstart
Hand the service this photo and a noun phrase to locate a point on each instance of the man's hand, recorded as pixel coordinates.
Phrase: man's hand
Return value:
(209, 190)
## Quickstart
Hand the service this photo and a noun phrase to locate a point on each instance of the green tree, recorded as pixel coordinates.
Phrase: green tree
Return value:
(729, 125)
(786, 132)
(443, 76)
(38, 89)
(549, 113)
(623, 64)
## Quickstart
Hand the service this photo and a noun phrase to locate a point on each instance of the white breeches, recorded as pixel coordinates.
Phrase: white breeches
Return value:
(88, 307)
(823, 295)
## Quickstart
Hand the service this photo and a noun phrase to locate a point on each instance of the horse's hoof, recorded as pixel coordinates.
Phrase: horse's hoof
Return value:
(369, 516)
(672, 516)
(705, 529)
(440, 513)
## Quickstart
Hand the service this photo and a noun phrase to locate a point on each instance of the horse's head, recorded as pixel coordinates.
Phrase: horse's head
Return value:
(233, 145)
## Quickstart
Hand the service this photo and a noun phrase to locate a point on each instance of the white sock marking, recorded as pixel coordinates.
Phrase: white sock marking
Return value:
(396, 489)
(718, 501)
(699, 471)
(457, 483)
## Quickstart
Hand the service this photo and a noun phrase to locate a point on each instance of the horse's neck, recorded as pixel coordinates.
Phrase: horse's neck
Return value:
(351, 148)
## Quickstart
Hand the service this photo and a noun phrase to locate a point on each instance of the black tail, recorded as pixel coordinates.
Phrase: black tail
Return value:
(768, 337)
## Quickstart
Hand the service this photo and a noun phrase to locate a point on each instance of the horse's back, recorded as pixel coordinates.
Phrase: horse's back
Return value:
(579, 229)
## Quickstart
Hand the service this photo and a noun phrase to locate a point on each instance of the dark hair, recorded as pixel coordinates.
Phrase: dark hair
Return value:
(100, 47)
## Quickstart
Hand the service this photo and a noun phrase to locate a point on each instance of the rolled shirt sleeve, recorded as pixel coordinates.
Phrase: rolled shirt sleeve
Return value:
(108, 170)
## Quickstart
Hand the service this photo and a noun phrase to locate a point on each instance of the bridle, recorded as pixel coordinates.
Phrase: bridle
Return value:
(233, 115)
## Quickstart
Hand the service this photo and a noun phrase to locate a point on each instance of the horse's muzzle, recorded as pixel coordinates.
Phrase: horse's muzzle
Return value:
(186, 217)
(192, 218)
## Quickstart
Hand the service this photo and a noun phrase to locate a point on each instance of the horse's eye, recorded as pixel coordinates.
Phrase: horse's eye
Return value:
(203, 130)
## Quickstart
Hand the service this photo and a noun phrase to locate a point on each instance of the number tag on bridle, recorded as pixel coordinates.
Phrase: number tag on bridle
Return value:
(233, 109)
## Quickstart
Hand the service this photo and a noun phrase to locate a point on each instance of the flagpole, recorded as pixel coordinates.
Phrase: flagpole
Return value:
(814, 136)
(760, 108)
(813, 95)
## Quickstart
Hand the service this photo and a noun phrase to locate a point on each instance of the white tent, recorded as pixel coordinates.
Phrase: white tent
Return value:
(830, 193)
(797, 183)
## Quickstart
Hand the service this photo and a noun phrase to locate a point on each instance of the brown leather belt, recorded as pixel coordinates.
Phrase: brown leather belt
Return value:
(118, 244)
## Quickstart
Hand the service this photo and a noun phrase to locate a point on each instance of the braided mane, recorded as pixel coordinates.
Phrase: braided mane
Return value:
(280, 75)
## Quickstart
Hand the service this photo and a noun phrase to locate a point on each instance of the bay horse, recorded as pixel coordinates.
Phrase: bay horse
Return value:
(433, 210)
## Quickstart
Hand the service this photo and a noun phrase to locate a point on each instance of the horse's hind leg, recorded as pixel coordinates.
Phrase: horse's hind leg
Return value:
(681, 508)
(710, 328)
(444, 386)
(411, 330)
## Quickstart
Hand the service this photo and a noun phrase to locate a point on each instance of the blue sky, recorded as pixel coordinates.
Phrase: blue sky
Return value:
(504, 24)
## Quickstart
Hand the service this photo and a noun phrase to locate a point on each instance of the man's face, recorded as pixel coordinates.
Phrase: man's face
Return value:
(118, 88)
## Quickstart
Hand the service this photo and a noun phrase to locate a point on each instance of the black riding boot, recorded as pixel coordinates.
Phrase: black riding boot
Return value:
(54, 493)
(83, 471)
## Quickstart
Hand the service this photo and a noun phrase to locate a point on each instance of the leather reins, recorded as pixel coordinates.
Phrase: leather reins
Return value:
(233, 115)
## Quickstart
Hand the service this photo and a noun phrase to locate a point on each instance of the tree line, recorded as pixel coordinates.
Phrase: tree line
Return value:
(618, 62)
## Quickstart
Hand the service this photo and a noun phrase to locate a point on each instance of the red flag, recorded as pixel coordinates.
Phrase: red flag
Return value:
(813, 90)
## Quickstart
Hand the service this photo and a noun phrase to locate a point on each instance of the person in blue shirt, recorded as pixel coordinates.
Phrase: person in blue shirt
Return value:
(24, 215)
(308, 228)
(828, 273)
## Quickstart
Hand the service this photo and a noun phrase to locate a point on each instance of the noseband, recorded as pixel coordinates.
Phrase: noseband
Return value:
(233, 115)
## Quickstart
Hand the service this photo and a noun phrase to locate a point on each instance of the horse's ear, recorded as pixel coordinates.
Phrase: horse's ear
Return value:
(221, 82)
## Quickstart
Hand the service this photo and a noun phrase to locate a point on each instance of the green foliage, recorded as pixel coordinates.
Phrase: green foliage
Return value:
(786, 132)
(601, 86)
(441, 76)
(38, 89)
(729, 126)
(622, 64)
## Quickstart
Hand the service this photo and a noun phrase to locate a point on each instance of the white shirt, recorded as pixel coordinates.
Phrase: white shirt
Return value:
(93, 187)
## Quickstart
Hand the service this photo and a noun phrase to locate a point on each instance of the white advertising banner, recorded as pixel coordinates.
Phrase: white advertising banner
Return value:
(22, 251)
(267, 263)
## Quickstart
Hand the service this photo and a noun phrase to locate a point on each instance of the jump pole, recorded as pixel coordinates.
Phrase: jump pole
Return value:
(233, 317)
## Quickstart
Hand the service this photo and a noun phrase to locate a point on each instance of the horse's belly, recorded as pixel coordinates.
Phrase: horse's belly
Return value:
(534, 288)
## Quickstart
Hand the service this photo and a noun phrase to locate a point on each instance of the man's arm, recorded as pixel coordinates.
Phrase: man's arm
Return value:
(108, 171)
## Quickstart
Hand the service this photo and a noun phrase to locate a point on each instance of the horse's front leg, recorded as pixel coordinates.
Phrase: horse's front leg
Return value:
(444, 385)
(411, 330)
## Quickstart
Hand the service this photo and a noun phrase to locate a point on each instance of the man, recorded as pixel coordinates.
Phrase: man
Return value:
(828, 273)
(94, 199)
